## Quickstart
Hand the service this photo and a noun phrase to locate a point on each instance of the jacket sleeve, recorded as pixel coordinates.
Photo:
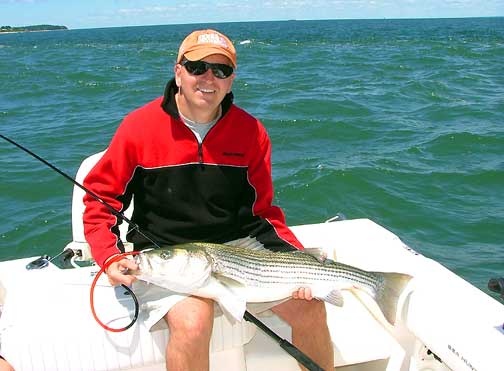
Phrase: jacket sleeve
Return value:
(271, 229)
(108, 180)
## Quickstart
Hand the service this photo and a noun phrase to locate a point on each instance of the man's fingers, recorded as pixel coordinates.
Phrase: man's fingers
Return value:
(303, 293)
(128, 264)
(308, 293)
(118, 278)
(116, 272)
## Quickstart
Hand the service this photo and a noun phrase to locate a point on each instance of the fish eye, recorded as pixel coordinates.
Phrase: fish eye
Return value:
(165, 255)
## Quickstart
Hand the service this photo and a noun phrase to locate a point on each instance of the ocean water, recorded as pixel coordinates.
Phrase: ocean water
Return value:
(399, 121)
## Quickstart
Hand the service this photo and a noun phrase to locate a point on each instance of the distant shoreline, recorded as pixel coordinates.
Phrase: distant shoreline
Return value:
(34, 28)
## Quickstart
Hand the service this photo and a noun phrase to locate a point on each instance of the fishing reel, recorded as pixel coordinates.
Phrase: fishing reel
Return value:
(65, 256)
(497, 285)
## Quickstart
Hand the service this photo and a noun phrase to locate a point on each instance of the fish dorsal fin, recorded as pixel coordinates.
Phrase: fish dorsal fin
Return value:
(318, 253)
(250, 243)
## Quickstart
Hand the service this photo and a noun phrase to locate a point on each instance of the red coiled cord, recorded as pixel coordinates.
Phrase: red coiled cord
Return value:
(93, 285)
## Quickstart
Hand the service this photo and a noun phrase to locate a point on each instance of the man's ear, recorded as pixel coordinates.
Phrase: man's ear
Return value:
(232, 77)
(177, 71)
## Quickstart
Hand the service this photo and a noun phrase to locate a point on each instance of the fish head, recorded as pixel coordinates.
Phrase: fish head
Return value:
(180, 268)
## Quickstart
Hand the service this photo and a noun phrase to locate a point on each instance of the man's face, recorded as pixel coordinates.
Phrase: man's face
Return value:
(203, 92)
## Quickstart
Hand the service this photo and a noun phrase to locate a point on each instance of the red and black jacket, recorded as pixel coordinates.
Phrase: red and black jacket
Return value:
(184, 191)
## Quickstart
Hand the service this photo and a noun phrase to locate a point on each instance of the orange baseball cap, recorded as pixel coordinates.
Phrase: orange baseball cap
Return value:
(202, 43)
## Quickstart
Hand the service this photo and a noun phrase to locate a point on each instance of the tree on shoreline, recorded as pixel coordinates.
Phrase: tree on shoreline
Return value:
(41, 27)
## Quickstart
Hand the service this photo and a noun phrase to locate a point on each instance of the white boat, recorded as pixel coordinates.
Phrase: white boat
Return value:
(443, 322)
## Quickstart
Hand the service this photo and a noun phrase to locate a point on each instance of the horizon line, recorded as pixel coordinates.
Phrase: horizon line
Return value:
(259, 21)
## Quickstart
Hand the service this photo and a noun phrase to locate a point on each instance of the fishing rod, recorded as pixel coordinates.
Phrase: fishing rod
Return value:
(114, 212)
(284, 344)
(290, 348)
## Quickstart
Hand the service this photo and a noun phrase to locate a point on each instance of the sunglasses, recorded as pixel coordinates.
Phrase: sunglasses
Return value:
(219, 70)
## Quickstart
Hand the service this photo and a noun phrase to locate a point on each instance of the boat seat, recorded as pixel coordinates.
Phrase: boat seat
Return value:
(78, 204)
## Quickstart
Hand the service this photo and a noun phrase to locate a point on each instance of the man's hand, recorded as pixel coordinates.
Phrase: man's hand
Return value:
(116, 272)
(303, 293)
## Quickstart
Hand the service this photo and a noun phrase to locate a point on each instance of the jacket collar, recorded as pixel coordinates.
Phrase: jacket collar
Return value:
(169, 104)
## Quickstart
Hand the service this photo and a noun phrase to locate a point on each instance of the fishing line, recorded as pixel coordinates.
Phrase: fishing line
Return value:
(285, 344)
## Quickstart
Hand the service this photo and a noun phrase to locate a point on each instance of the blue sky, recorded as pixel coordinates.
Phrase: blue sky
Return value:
(112, 13)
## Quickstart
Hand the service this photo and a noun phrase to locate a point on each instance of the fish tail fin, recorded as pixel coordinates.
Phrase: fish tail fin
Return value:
(388, 293)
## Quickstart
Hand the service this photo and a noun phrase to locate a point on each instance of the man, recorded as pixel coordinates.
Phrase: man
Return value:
(199, 169)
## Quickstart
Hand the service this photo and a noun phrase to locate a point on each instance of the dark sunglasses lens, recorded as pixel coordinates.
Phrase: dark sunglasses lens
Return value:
(220, 71)
(195, 67)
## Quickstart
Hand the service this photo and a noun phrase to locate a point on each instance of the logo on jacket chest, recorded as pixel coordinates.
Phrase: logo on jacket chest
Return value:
(233, 154)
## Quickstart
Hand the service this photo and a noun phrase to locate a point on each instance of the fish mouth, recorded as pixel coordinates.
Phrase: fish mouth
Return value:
(144, 264)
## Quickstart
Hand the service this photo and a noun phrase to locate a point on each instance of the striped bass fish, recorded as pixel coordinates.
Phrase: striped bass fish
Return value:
(234, 276)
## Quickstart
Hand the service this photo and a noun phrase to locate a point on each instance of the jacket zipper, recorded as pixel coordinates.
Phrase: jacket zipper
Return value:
(200, 145)
(200, 152)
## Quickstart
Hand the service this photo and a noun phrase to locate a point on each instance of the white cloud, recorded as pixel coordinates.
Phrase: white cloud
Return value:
(148, 10)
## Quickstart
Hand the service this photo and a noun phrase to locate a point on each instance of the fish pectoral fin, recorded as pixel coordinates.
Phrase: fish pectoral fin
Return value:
(333, 296)
(233, 307)
(228, 282)
(232, 304)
